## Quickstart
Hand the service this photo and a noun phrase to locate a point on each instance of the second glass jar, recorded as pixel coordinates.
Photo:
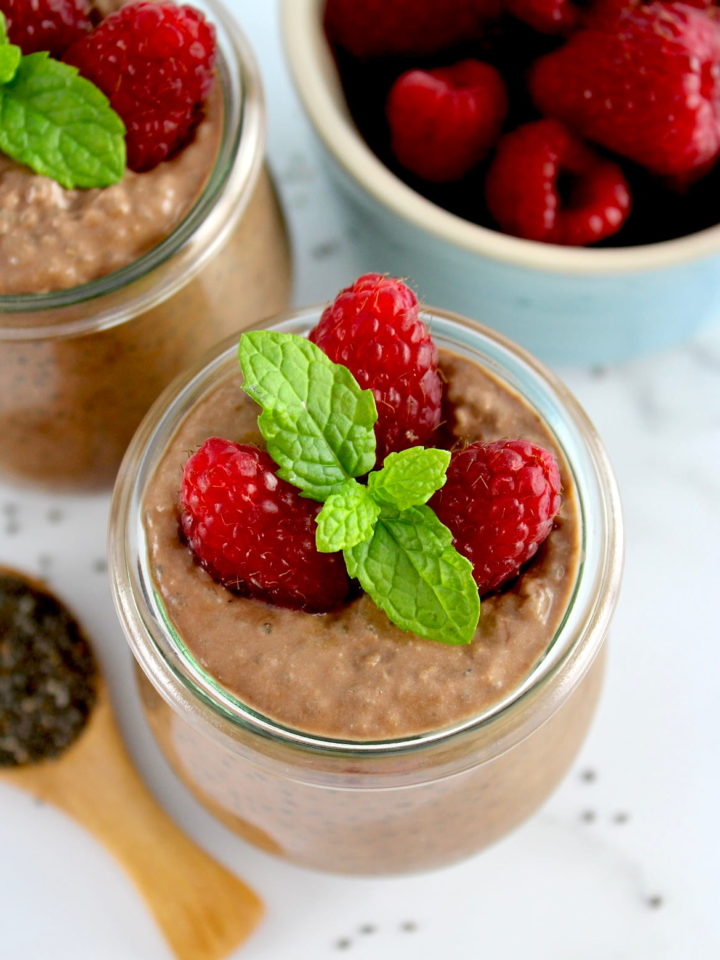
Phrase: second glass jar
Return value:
(80, 367)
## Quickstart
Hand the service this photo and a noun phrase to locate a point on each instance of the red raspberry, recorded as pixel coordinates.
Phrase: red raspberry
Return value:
(523, 187)
(46, 24)
(445, 121)
(546, 16)
(499, 502)
(254, 533)
(154, 61)
(644, 83)
(374, 329)
(373, 28)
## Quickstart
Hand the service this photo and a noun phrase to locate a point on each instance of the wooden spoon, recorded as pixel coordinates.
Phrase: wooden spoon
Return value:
(203, 909)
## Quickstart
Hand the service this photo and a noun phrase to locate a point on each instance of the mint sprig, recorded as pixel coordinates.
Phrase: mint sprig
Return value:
(318, 427)
(55, 121)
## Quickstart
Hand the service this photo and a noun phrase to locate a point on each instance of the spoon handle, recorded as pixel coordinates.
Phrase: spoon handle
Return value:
(203, 909)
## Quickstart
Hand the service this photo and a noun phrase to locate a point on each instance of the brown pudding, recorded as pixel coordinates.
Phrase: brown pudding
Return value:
(352, 674)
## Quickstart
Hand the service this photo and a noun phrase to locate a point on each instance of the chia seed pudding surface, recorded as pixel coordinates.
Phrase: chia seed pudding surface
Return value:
(351, 674)
(52, 238)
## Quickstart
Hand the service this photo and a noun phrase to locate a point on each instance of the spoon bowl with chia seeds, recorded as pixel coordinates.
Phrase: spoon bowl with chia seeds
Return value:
(59, 741)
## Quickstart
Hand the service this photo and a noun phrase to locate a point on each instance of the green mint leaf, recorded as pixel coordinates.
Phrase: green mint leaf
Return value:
(316, 421)
(409, 478)
(346, 519)
(10, 57)
(9, 54)
(413, 572)
(61, 125)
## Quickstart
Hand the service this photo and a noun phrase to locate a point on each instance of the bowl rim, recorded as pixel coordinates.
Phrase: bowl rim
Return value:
(316, 81)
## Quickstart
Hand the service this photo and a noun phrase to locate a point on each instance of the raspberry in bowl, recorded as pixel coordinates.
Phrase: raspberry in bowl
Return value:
(158, 235)
(517, 169)
(335, 667)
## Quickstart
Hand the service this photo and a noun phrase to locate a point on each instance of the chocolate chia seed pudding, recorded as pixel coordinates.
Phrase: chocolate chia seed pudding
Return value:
(337, 740)
(352, 674)
(107, 294)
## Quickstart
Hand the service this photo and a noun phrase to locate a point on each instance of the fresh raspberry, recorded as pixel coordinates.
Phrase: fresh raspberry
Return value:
(445, 121)
(253, 532)
(154, 61)
(499, 502)
(373, 28)
(546, 16)
(644, 83)
(46, 24)
(523, 187)
(374, 329)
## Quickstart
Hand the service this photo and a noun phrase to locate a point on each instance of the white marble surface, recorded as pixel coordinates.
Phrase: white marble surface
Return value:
(622, 863)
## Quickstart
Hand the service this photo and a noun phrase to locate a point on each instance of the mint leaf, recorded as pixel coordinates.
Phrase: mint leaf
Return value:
(9, 54)
(346, 519)
(317, 422)
(412, 572)
(10, 57)
(61, 125)
(409, 478)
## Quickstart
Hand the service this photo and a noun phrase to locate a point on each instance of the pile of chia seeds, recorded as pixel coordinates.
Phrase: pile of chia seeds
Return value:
(48, 676)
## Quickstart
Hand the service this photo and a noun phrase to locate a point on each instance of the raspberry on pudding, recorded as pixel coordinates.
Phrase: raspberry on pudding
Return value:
(155, 62)
(253, 532)
(634, 88)
(46, 24)
(499, 501)
(374, 329)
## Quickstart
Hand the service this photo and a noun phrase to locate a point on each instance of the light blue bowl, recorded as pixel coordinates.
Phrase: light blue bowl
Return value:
(566, 305)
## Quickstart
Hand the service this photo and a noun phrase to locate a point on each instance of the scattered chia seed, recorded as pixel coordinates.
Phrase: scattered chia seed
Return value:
(48, 674)
(588, 816)
(655, 902)
(409, 926)
(589, 776)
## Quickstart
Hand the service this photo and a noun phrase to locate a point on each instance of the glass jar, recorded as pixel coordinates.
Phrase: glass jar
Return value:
(80, 367)
(396, 805)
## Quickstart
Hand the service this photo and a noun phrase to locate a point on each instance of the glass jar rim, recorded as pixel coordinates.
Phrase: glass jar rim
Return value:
(239, 157)
(163, 655)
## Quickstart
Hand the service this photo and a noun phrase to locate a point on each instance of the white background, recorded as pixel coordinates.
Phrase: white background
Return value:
(622, 863)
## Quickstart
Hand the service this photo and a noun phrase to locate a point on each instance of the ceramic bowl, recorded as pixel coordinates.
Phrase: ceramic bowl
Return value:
(567, 305)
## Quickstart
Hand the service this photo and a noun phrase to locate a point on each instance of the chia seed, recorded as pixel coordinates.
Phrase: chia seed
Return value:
(48, 675)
